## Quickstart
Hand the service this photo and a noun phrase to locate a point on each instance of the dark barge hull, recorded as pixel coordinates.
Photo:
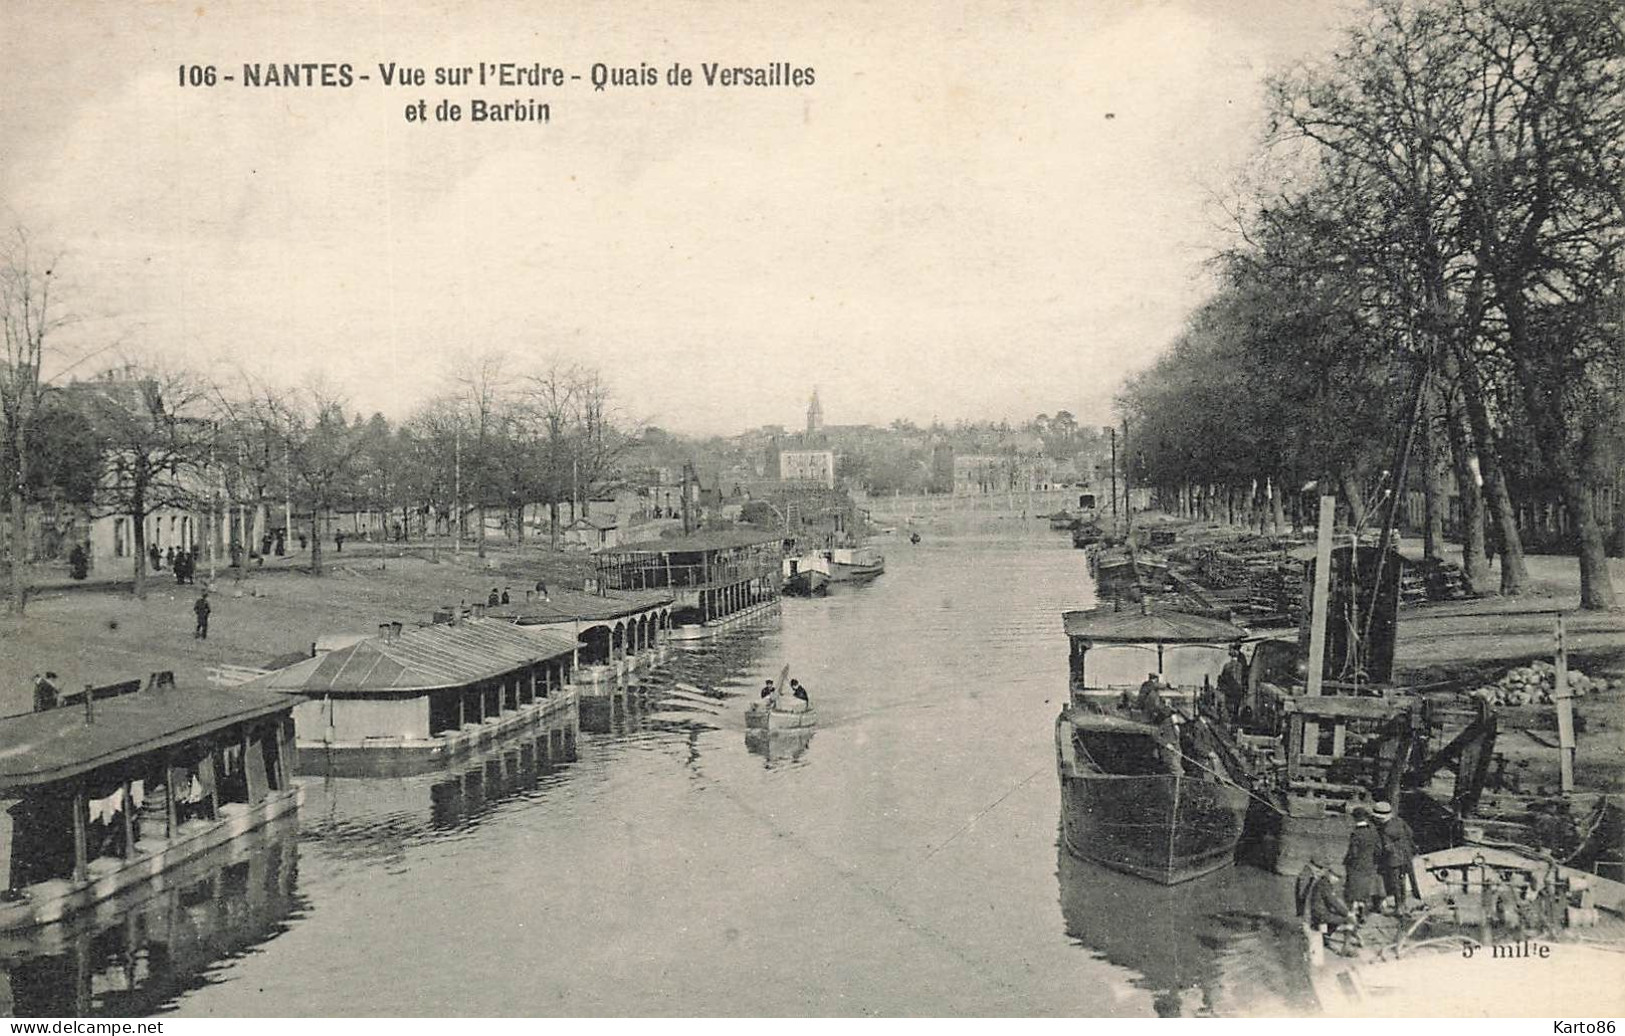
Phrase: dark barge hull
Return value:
(1161, 827)
(806, 583)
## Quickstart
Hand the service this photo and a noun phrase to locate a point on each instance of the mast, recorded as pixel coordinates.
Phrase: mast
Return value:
(1322, 593)
(1396, 493)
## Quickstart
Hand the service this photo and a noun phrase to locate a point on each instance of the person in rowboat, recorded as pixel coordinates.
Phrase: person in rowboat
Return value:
(799, 691)
(769, 693)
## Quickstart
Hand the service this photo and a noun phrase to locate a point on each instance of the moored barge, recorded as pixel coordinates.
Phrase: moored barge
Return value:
(1162, 798)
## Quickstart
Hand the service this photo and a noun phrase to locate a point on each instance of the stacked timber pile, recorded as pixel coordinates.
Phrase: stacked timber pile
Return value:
(1535, 684)
(1432, 579)
(1253, 577)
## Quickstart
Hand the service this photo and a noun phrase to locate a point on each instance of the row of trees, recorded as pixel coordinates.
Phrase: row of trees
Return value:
(1428, 282)
(501, 437)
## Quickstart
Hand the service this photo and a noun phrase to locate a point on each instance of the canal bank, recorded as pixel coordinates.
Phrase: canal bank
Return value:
(669, 859)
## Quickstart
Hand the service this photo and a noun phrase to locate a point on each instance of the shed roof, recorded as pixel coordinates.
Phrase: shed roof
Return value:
(574, 605)
(1167, 627)
(716, 539)
(424, 659)
(44, 747)
(594, 521)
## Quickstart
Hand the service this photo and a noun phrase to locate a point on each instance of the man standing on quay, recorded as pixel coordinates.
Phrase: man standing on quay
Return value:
(202, 610)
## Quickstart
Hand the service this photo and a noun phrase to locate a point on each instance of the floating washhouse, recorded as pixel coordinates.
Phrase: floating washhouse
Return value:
(716, 578)
(408, 699)
(97, 800)
(616, 633)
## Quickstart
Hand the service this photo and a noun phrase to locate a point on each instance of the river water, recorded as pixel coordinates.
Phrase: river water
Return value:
(901, 860)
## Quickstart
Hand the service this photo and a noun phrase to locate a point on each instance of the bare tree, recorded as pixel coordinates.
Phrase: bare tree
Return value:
(551, 398)
(322, 450)
(29, 318)
(157, 441)
(601, 443)
(484, 391)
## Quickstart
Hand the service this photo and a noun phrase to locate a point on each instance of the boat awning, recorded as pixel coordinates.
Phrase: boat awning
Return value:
(1108, 723)
(46, 747)
(1114, 627)
(425, 659)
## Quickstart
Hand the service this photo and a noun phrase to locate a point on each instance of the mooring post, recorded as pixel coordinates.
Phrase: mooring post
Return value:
(1323, 589)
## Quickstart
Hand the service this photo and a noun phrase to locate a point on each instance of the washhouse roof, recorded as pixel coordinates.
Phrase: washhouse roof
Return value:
(427, 658)
(44, 747)
(699, 542)
(575, 605)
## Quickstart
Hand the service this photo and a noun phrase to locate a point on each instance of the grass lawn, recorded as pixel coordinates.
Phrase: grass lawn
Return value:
(101, 634)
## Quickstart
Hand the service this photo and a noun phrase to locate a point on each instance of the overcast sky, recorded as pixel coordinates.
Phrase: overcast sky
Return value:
(947, 224)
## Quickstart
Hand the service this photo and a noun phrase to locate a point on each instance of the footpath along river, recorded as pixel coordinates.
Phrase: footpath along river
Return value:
(902, 861)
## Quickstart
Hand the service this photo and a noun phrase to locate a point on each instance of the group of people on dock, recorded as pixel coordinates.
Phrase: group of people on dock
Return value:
(1378, 873)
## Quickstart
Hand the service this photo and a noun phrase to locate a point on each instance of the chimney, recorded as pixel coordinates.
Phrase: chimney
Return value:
(394, 631)
(383, 632)
(90, 707)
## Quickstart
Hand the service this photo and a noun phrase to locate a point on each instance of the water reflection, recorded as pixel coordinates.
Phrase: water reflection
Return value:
(366, 817)
(645, 700)
(779, 747)
(132, 955)
(1223, 944)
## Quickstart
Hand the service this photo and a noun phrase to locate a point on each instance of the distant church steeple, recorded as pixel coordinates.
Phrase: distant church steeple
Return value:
(815, 415)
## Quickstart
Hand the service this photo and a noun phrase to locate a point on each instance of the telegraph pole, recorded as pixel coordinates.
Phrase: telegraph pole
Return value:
(457, 491)
(1128, 488)
(1114, 477)
(688, 468)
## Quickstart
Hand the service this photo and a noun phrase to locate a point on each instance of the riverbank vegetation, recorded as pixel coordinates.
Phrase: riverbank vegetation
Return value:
(1425, 292)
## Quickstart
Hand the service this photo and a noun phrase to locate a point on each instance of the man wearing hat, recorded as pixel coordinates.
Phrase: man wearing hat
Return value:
(1321, 906)
(1150, 702)
(1304, 892)
(1361, 863)
(1233, 683)
(1398, 850)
